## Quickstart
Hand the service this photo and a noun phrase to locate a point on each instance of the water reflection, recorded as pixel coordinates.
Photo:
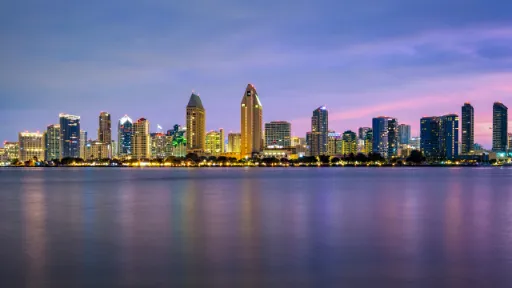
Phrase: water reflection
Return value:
(34, 232)
(259, 228)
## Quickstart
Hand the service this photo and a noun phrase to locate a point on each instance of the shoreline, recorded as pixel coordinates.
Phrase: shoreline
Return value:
(255, 166)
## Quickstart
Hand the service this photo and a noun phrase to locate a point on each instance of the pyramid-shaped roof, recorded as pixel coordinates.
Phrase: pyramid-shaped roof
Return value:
(195, 101)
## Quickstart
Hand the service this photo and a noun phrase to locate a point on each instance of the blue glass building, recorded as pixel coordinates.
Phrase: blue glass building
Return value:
(124, 136)
(69, 136)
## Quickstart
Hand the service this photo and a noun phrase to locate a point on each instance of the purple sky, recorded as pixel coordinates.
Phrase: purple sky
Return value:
(359, 58)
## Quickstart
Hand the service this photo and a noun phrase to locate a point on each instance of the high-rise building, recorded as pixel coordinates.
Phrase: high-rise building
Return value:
(31, 146)
(368, 142)
(124, 136)
(277, 134)
(385, 136)
(499, 127)
(509, 141)
(349, 142)
(105, 128)
(158, 141)
(468, 128)
(12, 150)
(334, 143)
(392, 137)
(141, 142)
(215, 142)
(52, 142)
(429, 137)
(83, 144)
(449, 136)
(362, 133)
(319, 131)
(404, 133)
(196, 124)
(251, 122)
(234, 141)
(69, 136)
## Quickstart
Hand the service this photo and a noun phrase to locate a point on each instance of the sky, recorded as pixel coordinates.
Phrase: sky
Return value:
(361, 59)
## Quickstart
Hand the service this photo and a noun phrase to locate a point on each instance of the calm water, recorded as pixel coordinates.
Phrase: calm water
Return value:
(302, 227)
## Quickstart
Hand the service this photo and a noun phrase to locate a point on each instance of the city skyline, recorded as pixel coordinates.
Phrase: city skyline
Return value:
(195, 97)
(358, 62)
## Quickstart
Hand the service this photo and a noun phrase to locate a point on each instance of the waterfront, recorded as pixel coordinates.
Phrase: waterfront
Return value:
(238, 227)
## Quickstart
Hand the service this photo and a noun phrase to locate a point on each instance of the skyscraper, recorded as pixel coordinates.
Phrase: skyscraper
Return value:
(499, 127)
(215, 142)
(362, 132)
(196, 124)
(449, 136)
(349, 143)
(392, 137)
(385, 136)
(251, 122)
(83, 144)
(141, 142)
(52, 142)
(124, 136)
(105, 128)
(509, 141)
(404, 133)
(468, 128)
(319, 131)
(69, 136)
(429, 137)
(31, 146)
(278, 134)
(234, 140)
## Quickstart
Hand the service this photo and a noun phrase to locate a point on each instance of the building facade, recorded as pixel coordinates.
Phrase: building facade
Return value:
(234, 142)
(368, 142)
(362, 131)
(215, 142)
(319, 131)
(12, 150)
(334, 144)
(158, 146)
(449, 136)
(69, 136)
(196, 124)
(105, 129)
(141, 141)
(404, 133)
(278, 134)
(251, 122)
(96, 150)
(83, 144)
(499, 127)
(429, 137)
(468, 128)
(380, 136)
(349, 143)
(52, 142)
(124, 137)
(31, 146)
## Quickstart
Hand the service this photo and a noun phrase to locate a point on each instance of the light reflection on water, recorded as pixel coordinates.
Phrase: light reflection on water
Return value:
(256, 227)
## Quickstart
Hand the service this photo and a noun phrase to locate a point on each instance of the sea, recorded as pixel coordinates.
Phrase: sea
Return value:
(256, 227)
